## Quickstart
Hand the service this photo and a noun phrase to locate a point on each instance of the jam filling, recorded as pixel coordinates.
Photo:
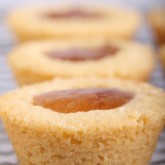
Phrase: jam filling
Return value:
(74, 13)
(83, 100)
(83, 54)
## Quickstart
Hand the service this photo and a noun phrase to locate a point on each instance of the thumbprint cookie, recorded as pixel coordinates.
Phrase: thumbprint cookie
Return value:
(84, 121)
(73, 22)
(157, 21)
(44, 60)
(162, 54)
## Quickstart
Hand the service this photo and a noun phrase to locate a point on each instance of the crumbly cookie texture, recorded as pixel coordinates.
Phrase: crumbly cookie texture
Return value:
(156, 19)
(108, 25)
(126, 135)
(30, 63)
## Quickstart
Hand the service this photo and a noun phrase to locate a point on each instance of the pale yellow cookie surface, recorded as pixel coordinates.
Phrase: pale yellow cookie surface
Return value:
(31, 64)
(102, 137)
(31, 24)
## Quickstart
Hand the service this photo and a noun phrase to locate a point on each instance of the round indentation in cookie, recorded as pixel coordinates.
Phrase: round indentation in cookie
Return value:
(83, 100)
(84, 54)
(72, 13)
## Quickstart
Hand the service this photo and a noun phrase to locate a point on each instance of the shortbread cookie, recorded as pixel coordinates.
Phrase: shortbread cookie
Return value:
(162, 54)
(45, 60)
(73, 22)
(84, 122)
(157, 21)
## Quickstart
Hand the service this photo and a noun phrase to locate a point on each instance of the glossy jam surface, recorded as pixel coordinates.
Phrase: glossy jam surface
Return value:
(83, 54)
(73, 13)
(83, 100)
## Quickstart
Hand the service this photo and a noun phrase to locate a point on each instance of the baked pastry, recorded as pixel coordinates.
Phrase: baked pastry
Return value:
(73, 22)
(44, 60)
(162, 54)
(157, 21)
(84, 122)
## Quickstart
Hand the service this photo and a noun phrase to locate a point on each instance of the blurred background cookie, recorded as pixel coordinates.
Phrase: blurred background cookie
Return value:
(45, 60)
(162, 55)
(73, 22)
(157, 21)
